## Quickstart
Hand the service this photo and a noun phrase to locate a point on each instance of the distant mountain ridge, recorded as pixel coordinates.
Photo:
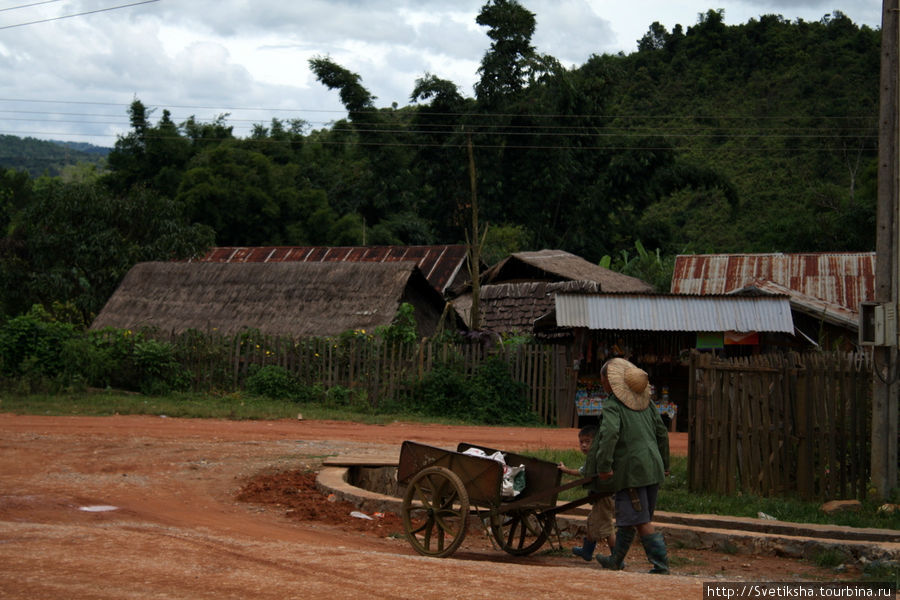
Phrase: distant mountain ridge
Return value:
(43, 157)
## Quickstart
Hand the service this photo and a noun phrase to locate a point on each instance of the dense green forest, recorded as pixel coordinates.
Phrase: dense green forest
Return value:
(755, 137)
(40, 157)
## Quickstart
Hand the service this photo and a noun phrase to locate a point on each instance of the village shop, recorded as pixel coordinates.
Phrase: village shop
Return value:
(657, 332)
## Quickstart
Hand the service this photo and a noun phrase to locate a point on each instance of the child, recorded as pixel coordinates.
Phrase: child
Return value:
(600, 519)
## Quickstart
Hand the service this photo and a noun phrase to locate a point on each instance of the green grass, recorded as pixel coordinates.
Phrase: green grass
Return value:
(674, 496)
(174, 405)
(237, 406)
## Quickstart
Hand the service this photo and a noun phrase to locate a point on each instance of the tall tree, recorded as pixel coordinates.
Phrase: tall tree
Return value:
(505, 66)
(75, 242)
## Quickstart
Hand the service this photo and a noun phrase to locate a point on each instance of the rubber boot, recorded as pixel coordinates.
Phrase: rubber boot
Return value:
(655, 547)
(615, 561)
(586, 550)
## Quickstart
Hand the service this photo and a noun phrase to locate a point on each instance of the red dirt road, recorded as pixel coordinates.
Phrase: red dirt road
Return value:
(178, 530)
(393, 434)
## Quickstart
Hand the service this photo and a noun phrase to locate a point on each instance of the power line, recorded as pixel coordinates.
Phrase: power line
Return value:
(81, 14)
(863, 129)
(29, 5)
(478, 115)
(459, 145)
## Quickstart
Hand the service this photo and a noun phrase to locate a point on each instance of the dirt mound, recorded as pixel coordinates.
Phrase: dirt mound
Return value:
(296, 493)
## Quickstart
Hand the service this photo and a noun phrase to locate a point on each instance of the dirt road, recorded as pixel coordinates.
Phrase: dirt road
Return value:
(145, 507)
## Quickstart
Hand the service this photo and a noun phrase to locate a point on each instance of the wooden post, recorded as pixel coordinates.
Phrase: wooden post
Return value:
(887, 254)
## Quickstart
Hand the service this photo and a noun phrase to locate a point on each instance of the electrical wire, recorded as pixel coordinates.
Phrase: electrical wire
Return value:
(81, 14)
(29, 5)
(151, 106)
(861, 130)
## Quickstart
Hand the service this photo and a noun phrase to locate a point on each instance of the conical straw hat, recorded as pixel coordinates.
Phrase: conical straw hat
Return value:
(630, 384)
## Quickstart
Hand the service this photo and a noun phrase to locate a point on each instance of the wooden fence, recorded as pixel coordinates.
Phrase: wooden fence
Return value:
(382, 371)
(780, 424)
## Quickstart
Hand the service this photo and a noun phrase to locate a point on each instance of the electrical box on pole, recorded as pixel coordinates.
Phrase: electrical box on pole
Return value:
(877, 324)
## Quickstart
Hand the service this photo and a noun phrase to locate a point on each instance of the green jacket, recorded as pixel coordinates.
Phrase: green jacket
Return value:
(633, 444)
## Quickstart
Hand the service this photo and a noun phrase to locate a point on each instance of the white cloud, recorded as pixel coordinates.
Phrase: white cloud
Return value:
(231, 54)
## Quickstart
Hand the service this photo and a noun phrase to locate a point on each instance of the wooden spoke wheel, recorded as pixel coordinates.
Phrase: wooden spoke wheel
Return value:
(522, 531)
(435, 511)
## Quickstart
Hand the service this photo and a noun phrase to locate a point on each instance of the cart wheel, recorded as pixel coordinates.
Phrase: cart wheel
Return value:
(435, 511)
(520, 532)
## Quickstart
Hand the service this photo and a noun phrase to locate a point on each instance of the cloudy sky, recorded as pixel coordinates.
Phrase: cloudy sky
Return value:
(70, 68)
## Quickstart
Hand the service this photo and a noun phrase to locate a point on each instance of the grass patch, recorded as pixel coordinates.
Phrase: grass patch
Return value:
(105, 403)
(235, 406)
(830, 558)
(676, 562)
(674, 496)
(882, 571)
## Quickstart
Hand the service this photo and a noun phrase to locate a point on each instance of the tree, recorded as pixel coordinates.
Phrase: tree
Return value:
(380, 137)
(505, 66)
(75, 242)
(149, 156)
(244, 197)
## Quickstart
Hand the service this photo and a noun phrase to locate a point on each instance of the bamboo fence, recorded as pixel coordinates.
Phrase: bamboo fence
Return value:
(383, 371)
(780, 424)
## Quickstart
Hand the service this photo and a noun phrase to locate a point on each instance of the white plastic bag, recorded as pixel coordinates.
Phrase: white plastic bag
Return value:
(513, 477)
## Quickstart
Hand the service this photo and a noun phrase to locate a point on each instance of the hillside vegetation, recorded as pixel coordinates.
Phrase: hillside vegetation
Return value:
(42, 157)
(709, 138)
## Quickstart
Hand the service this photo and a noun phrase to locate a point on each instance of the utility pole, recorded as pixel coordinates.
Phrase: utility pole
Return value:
(475, 243)
(887, 261)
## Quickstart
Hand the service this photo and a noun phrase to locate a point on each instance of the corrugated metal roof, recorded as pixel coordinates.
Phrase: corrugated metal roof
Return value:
(831, 313)
(638, 312)
(842, 279)
(441, 265)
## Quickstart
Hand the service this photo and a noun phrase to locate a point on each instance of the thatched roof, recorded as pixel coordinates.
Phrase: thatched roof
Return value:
(442, 265)
(558, 265)
(288, 298)
(514, 307)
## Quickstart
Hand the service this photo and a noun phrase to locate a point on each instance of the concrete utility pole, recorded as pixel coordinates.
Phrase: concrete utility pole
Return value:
(887, 260)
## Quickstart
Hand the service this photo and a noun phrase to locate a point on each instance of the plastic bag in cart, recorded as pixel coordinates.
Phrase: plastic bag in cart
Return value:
(513, 477)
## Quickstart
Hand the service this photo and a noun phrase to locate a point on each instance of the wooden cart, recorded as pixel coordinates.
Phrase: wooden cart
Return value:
(444, 488)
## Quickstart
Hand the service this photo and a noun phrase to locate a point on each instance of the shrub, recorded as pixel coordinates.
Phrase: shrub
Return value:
(497, 398)
(158, 371)
(403, 329)
(442, 392)
(342, 397)
(88, 360)
(490, 396)
(274, 382)
(31, 345)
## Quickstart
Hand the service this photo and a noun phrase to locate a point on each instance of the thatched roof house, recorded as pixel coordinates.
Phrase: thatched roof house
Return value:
(295, 299)
(443, 265)
(558, 265)
(521, 288)
(514, 307)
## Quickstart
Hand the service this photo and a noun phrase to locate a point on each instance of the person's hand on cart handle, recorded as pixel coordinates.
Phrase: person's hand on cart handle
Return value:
(605, 476)
(562, 467)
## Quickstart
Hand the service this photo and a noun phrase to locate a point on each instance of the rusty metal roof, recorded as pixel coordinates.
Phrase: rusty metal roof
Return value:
(839, 279)
(441, 265)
